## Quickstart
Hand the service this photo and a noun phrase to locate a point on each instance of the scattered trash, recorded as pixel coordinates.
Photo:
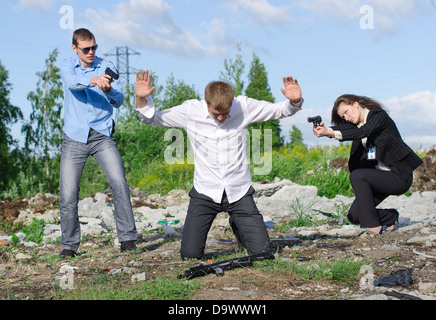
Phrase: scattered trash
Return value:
(168, 222)
(396, 278)
(270, 224)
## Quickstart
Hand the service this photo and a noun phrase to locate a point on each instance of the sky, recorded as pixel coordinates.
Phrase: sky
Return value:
(382, 49)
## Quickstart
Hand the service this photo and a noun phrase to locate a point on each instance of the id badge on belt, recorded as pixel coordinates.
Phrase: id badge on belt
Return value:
(370, 152)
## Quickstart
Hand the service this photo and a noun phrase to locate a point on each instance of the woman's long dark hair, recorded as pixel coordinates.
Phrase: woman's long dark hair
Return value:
(364, 102)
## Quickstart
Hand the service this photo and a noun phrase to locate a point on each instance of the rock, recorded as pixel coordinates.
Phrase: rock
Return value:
(138, 193)
(119, 270)
(427, 287)
(138, 277)
(423, 240)
(51, 232)
(268, 189)
(22, 256)
(344, 231)
(170, 231)
(29, 244)
(279, 201)
(41, 201)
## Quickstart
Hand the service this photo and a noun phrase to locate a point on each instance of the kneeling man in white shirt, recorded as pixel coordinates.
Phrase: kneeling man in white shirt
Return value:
(217, 127)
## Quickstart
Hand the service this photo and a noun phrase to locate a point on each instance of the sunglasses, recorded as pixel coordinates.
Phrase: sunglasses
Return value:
(87, 49)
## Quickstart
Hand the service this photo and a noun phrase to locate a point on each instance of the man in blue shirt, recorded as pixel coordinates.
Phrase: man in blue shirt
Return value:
(90, 96)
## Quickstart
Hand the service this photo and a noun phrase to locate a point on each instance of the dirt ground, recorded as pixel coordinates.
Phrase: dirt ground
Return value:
(33, 273)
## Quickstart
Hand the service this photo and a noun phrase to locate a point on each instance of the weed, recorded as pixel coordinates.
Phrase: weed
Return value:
(35, 231)
(119, 287)
(337, 270)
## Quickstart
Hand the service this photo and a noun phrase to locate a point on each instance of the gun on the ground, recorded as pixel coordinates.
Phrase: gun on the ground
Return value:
(315, 120)
(218, 268)
(111, 73)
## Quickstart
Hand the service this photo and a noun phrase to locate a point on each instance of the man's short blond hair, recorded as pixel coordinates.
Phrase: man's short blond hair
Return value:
(219, 95)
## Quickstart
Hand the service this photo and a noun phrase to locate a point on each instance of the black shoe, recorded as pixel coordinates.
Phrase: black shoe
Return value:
(67, 253)
(128, 246)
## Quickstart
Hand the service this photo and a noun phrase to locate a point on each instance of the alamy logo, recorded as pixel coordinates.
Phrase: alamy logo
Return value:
(229, 150)
(367, 20)
(67, 19)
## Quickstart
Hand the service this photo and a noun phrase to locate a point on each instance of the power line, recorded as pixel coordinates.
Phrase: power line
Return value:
(123, 64)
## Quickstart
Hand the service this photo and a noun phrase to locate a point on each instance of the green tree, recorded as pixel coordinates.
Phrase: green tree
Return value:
(258, 88)
(233, 73)
(43, 133)
(9, 114)
(176, 92)
(296, 137)
(140, 144)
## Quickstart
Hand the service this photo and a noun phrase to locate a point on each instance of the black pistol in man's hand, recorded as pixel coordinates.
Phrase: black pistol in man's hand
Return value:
(315, 120)
(111, 73)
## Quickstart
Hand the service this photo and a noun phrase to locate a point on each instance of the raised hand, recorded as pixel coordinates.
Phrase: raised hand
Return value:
(292, 89)
(142, 88)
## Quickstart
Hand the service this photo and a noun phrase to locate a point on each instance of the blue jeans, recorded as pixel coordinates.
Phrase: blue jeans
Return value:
(73, 158)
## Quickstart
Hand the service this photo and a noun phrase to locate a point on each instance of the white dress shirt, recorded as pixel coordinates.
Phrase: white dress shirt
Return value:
(219, 148)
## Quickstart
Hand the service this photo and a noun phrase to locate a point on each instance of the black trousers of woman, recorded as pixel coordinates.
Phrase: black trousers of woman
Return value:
(371, 187)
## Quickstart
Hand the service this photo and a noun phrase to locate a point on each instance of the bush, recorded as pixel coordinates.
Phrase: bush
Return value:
(308, 167)
(35, 231)
(163, 177)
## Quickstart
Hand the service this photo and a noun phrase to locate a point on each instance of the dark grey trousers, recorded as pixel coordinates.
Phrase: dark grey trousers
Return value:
(247, 223)
(73, 158)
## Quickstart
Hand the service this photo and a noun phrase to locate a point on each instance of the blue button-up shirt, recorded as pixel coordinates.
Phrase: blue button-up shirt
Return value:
(87, 106)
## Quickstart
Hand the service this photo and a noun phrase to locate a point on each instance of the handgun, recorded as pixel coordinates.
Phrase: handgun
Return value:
(315, 120)
(111, 73)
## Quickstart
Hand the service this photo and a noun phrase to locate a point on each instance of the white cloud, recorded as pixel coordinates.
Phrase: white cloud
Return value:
(141, 9)
(388, 15)
(149, 24)
(415, 116)
(260, 10)
(41, 6)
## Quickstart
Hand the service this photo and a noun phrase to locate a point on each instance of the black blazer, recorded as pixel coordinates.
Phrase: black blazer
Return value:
(381, 132)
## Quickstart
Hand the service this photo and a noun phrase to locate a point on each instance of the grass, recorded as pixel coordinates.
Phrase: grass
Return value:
(120, 287)
(93, 282)
(343, 270)
(168, 287)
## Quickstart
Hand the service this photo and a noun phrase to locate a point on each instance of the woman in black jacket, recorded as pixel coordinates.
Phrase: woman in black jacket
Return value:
(380, 163)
